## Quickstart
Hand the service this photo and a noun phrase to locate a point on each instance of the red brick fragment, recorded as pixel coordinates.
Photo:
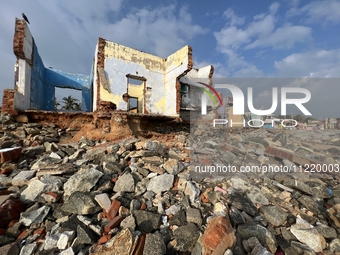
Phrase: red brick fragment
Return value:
(143, 206)
(113, 209)
(204, 200)
(176, 179)
(5, 192)
(23, 235)
(12, 223)
(104, 238)
(140, 245)
(40, 231)
(10, 210)
(6, 171)
(113, 223)
(10, 154)
(218, 237)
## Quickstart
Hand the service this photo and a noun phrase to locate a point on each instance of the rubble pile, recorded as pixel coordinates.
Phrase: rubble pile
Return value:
(143, 196)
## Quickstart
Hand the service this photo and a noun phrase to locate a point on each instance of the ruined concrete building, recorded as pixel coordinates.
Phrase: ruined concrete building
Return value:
(122, 78)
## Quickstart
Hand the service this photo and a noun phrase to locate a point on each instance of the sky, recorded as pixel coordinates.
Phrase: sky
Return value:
(241, 39)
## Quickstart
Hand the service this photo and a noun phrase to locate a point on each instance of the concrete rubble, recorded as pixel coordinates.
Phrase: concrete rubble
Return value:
(145, 195)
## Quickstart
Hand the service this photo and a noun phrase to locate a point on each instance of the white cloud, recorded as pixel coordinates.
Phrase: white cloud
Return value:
(311, 64)
(283, 38)
(66, 32)
(231, 38)
(157, 31)
(234, 19)
(251, 71)
(274, 7)
(318, 11)
(261, 32)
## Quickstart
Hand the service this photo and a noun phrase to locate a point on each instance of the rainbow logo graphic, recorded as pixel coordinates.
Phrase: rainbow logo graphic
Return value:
(211, 88)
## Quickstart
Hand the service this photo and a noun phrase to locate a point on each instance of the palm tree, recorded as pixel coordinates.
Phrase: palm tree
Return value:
(71, 104)
(56, 103)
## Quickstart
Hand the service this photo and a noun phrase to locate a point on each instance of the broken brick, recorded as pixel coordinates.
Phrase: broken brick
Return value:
(113, 209)
(218, 237)
(10, 154)
(113, 223)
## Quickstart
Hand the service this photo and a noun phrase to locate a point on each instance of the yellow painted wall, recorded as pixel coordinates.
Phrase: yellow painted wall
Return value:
(160, 73)
(137, 91)
(120, 52)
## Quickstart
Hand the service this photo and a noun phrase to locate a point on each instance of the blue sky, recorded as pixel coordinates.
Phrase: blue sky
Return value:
(240, 38)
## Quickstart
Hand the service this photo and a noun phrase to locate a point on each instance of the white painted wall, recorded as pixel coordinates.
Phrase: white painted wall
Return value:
(22, 97)
(95, 81)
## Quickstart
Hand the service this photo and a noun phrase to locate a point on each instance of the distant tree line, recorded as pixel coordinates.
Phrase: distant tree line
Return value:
(298, 118)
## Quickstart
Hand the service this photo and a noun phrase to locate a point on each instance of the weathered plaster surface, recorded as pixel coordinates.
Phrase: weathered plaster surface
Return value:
(160, 75)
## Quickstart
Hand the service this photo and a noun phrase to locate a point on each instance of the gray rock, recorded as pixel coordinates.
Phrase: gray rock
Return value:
(37, 187)
(314, 204)
(10, 249)
(258, 140)
(326, 232)
(160, 206)
(33, 217)
(317, 189)
(253, 229)
(194, 215)
(186, 236)
(125, 183)
(178, 219)
(68, 251)
(256, 196)
(85, 142)
(88, 222)
(154, 245)
(155, 146)
(28, 249)
(287, 235)
(51, 242)
(85, 235)
(242, 203)
(154, 160)
(23, 177)
(236, 217)
(65, 239)
(309, 236)
(134, 205)
(149, 195)
(13, 231)
(32, 151)
(161, 183)
(214, 196)
(173, 166)
(82, 181)
(5, 240)
(192, 191)
(173, 209)
(81, 203)
(45, 161)
(129, 222)
(273, 214)
(147, 221)
(298, 185)
(334, 246)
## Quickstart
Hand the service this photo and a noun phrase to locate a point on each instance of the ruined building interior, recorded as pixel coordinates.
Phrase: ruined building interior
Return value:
(122, 79)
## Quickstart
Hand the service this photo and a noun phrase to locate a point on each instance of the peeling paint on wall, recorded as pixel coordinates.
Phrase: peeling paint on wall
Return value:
(160, 75)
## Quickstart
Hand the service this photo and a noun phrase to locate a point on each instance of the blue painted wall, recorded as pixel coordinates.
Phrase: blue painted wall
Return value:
(44, 80)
